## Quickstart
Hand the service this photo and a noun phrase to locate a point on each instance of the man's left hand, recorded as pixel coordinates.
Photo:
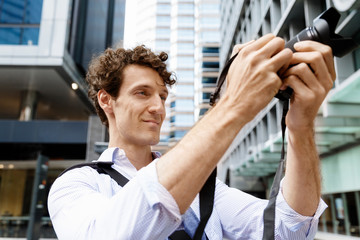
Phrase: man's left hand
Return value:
(311, 77)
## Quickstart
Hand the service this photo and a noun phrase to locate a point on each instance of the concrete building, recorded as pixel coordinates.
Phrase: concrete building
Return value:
(45, 47)
(251, 161)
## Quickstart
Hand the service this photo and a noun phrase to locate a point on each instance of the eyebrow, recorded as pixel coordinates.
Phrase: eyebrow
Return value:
(165, 90)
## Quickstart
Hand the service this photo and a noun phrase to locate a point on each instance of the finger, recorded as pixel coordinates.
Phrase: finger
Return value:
(325, 50)
(281, 60)
(259, 43)
(304, 74)
(237, 48)
(301, 91)
(272, 47)
(317, 64)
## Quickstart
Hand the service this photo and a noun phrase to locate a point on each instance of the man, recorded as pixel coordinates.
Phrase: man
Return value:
(162, 194)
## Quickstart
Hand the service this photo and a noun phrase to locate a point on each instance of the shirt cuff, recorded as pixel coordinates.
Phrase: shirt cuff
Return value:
(292, 219)
(156, 193)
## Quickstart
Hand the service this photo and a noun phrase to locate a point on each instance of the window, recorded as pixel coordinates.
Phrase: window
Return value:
(162, 45)
(209, 80)
(183, 105)
(163, 19)
(210, 65)
(186, 32)
(163, 32)
(357, 52)
(203, 111)
(186, 7)
(185, 76)
(184, 90)
(185, 46)
(185, 61)
(210, 50)
(185, 20)
(341, 216)
(210, 36)
(164, 8)
(209, 21)
(177, 134)
(206, 96)
(186, 120)
(210, 7)
(20, 21)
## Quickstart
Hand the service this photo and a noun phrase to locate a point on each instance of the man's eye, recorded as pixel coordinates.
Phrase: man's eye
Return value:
(141, 93)
(163, 98)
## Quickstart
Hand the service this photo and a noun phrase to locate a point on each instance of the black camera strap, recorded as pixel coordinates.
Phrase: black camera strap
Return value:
(269, 212)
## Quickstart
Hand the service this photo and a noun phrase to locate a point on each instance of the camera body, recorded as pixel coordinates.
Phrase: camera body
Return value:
(323, 30)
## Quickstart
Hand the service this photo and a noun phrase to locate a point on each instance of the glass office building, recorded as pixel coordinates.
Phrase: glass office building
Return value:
(188, 31)
(207, 50)
(182, 63)
(153, 23)
(45, 114)
(251, 161)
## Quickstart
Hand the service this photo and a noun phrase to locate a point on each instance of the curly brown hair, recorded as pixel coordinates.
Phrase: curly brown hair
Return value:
(106, 71)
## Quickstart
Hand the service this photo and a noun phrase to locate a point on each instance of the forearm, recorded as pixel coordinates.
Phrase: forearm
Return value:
(302, 182)
(184, 169)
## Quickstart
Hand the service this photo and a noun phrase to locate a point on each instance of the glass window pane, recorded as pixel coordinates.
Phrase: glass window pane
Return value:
(33, 11)
(12, 11)
(10, 35)
(163, 19)
(185, 90)
(30, 36)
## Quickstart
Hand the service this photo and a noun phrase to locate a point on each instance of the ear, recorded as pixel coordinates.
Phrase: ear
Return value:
(105, 100)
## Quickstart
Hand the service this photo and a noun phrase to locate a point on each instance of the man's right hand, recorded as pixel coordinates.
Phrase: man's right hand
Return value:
(252, 80)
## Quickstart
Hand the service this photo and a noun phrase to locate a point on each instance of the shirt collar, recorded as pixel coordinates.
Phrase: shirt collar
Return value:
(118, 155)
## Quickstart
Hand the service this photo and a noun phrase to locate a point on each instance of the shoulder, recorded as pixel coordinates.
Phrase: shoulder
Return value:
(83, 180)
(77, 177)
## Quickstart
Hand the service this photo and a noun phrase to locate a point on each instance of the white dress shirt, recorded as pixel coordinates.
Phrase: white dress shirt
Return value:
(84, 204)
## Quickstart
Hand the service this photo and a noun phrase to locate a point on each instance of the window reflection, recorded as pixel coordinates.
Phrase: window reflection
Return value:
(20, 21)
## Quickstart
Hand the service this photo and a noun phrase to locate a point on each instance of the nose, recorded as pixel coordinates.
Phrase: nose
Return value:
(157, 105)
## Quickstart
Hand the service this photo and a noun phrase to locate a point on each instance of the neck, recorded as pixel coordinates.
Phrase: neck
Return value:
(139, 156)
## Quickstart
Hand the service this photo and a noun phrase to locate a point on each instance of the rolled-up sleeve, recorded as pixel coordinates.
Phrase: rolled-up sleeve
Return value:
(292, 225)
(84, 205)
(241, 216)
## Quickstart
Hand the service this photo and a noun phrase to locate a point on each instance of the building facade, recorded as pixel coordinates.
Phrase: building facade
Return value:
(182, 63)
(252, 159)
(153, 30)
(188, 31)
(207, 50)
(45, 48)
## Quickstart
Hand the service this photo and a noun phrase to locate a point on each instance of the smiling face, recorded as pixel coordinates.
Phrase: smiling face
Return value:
(139, 109)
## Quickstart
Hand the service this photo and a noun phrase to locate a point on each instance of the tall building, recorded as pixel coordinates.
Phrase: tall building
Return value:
(45, 48)
(251, 160)
(182, 63)
(153, 30)
(188, 31)
(207, 41)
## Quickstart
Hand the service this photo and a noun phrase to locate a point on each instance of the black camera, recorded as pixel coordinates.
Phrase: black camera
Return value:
(323, 30)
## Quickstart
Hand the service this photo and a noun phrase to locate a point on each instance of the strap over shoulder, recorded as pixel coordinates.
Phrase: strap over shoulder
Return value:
(102, 168)
(206, 195)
